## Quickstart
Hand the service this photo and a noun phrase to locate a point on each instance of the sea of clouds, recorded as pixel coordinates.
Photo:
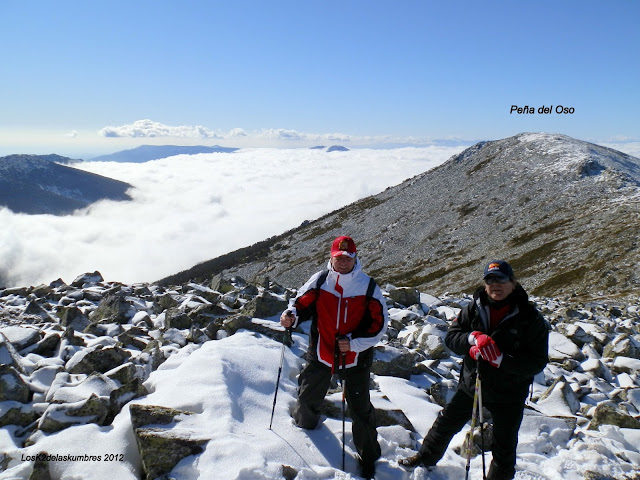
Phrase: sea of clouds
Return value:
(191, 208)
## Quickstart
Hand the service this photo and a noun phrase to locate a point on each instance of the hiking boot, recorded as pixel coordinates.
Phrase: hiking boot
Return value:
(498, 473)
(417, 460)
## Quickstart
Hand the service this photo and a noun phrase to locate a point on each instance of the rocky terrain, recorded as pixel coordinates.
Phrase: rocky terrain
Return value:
(564, 212)
(40, 184)
(80, 353)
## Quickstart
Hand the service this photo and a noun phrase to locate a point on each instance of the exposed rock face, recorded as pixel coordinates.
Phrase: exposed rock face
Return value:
(562, 211)
(161, 448)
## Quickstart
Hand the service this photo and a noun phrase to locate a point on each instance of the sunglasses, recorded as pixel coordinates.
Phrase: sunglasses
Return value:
(500, 280)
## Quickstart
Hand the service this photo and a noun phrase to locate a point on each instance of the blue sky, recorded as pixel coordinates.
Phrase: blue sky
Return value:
(77, 76)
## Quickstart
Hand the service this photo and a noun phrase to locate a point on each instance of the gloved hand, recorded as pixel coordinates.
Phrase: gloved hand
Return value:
(475, 353)
(483, 345)
(287, 319)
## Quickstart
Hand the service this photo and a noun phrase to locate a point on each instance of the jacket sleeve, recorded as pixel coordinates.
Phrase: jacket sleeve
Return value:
(533, 355)
(457, 338)
(301, 305)
(376, 326)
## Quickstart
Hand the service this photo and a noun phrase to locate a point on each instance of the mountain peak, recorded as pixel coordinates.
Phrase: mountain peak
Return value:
(564, 212)
(38, 184)
(147, 153)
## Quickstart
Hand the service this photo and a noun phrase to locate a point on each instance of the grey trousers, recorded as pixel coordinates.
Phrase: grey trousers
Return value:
(313, 384)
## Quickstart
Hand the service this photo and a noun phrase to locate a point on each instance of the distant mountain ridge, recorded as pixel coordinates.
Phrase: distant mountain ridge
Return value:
(147, 153)
(564, 212)
(38, 184)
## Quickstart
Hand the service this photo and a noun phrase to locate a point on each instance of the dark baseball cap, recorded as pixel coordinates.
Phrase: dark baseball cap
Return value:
(499, 268)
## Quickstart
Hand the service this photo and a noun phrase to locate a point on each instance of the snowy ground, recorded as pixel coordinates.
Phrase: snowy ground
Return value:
(229, 385)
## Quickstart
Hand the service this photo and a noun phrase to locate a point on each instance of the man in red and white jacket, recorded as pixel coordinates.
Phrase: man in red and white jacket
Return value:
(348, 318)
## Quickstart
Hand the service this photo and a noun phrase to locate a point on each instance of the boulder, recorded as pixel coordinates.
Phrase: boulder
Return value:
(442, 392)
(208, 294)
(68, 391)
(123, 395)
(41, 468)
(60, 416)
(265, 305)
(576, 334)
(268, 328)
(46, 347)
(559, 399)
(622, 346)
(87, 279)
(561, 348)
(34, 309)
(405, 296)
(73, 317)
(400, 318)
(142, 319)
(433, 346)
(142, 415)
(97, 359)
(605, 414)
(124, 373)
(221, 284)
(161, 450)
(623, 364)
(130, 339)
(113, 309)
(21, 337)
(174, 336)
(392, 361)
(174, 318)
(16, 413)
(9, 355)
(12, 386)
(166, 301)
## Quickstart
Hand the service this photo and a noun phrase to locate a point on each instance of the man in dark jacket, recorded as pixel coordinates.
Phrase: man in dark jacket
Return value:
(510, 338)
(349, 317)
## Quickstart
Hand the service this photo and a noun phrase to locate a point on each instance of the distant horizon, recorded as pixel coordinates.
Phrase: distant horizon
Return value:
(627, 146)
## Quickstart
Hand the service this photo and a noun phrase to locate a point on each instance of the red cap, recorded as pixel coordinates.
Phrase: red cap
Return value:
(343, 246)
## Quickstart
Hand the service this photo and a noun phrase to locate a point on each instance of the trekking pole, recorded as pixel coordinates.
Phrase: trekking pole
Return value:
(481, 418)
(474, 417)
(343, 358)
(286, 333)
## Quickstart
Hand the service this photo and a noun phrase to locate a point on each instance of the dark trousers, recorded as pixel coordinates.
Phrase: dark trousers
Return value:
(313, 384)
(507, 418)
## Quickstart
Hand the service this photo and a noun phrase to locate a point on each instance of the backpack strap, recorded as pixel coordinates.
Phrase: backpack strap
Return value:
(370, 289)
(322, 278)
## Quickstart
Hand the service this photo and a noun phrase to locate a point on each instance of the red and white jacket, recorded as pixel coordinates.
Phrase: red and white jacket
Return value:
(340, 308)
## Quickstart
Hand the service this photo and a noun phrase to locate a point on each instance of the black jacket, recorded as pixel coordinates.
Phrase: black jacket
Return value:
(522, 336)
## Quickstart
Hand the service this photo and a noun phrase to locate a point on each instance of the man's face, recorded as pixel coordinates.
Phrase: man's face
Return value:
(496, 290)
(343, 263)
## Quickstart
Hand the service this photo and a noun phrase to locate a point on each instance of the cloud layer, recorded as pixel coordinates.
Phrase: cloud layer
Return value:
(149, 128)
(191, 208)
(265, 137)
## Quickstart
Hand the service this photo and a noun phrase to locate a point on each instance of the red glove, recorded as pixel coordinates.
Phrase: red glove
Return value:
(483, 345)
(475, 353)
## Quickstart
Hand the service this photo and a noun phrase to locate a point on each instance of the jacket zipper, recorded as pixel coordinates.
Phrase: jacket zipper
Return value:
(346, 309)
